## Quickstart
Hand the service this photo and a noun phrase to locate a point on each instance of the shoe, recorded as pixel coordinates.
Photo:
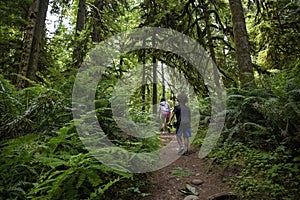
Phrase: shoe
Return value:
(186, 153)
(169, 130)
(181, 150)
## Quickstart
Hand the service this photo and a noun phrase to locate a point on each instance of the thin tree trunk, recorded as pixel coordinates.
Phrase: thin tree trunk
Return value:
(210, 43)
(80, 22)
(32, 42)
(144, 81)
(163, 80)
(98, 8)
(154, 62)
(154, 76)
(37, 39)
(154, 84)
(241, 44)
(208, 30)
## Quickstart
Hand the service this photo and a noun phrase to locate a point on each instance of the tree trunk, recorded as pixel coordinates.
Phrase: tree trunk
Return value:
(154, 62)
(80, 20)
(163, 80)
(241, 44)
(206, 11)
(78, 43)
(154, 84)
(144, 81)
(98, 8)
(32, 42)
(208, 30)
(37, 39)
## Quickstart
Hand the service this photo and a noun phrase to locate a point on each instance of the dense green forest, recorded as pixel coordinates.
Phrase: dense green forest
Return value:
(255, 48)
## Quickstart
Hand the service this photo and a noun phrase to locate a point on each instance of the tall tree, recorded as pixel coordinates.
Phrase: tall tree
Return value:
(154, 84)
(80, 22)
(32, 42)
(241, 41)
(96, 14)
(163, 80)
(144, 82)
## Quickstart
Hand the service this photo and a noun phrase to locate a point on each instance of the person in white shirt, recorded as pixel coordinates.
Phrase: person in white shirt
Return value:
(164, 112)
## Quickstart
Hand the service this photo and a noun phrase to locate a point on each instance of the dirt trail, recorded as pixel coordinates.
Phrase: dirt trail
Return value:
(165, 183)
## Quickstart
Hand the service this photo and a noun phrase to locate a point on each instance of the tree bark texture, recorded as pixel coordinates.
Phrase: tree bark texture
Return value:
(153, 7)
(80, 20)
(154, 84)
(78, 43)
(206, 11)
(97, 9)
(163, 80)
(32, 42)
(241, 44)
(38, 38)
(144, 82)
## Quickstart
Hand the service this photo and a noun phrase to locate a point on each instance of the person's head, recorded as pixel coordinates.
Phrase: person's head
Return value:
(182, 98)
(162, 99)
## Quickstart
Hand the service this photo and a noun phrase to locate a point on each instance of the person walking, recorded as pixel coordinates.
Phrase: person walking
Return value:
(164, 112)
(182, 123)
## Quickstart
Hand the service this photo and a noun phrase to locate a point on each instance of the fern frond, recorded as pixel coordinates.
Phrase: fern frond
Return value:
(98, 193)
(50, 161)
(93, 177)
(255, 126)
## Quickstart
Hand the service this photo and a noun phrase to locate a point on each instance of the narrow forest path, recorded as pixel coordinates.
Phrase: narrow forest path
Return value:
(205, 178)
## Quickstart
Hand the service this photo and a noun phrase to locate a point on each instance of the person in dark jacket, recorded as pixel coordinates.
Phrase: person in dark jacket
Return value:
(182, 123)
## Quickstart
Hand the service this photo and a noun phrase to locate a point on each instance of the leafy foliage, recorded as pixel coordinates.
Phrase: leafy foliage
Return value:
(261, 136)
(32, 110)
(42, 156)
(269, 175)
(266, 117)
(39, 167)
(49, 160)
(273, 27)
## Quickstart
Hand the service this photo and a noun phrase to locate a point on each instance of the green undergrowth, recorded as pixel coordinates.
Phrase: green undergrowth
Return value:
(41, 167)
(42, 155)
(260, 174)
(259, 144)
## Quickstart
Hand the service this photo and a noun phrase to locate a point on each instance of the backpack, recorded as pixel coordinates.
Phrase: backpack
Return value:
(165, 107)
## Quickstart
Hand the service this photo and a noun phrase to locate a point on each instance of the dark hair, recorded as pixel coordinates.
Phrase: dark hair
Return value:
(162, 99)
(182, 98)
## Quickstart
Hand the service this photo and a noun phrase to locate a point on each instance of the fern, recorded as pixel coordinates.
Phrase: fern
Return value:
(98, 193)
(35, 109)
(80, 170)
(18, 170)
(254, 126)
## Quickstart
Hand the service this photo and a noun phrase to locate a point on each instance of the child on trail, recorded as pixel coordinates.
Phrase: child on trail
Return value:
(183, 123)
(164, 112)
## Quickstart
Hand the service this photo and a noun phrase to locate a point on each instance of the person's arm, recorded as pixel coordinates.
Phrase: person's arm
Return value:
(171, 117)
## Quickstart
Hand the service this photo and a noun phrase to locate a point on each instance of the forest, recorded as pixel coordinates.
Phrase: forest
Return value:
(79, 75)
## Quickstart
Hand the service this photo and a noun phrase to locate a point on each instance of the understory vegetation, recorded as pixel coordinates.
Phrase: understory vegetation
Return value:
(249, 49)
(259, 145)
(46, 158)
